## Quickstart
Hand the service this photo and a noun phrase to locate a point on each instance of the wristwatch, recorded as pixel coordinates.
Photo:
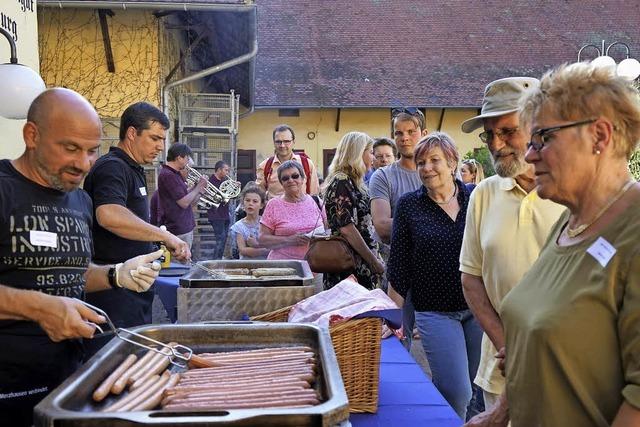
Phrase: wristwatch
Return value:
(111, 275)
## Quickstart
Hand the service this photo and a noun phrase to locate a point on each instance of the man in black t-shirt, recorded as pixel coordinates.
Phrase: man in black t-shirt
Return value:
(45, 253)
(121, 226)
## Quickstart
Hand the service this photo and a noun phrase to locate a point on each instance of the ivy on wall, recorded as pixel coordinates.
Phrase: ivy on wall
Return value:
(72, 55)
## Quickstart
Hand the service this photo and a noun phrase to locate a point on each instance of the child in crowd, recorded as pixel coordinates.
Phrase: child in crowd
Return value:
(245, 231)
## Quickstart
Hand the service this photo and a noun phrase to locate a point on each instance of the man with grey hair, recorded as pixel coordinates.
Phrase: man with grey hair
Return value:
(507, 224)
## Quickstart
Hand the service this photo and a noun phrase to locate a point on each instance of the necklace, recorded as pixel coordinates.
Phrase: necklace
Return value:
(573, 232)
(455, 191)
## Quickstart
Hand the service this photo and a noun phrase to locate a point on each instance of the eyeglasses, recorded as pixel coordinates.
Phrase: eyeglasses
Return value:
(504, 134)
(283, 142)
(286, 178)
(542, 136)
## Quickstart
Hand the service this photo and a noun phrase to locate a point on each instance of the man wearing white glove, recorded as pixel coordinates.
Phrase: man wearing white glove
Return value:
(138, 274)
(46, 250)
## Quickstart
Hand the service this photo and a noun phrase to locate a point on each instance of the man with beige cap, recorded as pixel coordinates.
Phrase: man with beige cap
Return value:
(507, 224)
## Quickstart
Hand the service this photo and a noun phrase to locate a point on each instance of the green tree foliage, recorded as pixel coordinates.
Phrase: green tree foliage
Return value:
(483, 156)
(634, 165)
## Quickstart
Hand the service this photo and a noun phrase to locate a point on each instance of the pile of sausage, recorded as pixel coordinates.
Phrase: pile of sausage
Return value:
(263, 378)
(146, 378)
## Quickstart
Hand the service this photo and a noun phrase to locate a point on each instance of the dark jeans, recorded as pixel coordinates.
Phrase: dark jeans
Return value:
(220, 229)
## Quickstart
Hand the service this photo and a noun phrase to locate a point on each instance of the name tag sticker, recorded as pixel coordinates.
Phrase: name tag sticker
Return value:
(43, 238)
(602, 251)
(143, 191)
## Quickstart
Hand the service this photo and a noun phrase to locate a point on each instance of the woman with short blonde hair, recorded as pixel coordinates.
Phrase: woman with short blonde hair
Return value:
(572, 324)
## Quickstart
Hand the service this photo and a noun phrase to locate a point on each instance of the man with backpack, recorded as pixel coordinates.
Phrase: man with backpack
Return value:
(267, 179)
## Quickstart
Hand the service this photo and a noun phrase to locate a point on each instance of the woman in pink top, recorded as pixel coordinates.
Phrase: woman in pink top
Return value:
(288, 220)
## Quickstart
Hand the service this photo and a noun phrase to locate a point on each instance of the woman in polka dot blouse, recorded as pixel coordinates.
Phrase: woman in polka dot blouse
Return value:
(425, 249)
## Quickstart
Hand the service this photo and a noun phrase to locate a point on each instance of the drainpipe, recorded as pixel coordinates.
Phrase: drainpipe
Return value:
(159, 5)
(252, 90)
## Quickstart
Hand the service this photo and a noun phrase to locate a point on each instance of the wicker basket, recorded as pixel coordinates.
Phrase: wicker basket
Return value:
(357, 347)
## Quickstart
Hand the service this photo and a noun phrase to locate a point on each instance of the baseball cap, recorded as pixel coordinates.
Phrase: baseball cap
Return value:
(501, 97)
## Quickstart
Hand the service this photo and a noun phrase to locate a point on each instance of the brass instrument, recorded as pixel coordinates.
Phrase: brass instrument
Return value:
(213, 196)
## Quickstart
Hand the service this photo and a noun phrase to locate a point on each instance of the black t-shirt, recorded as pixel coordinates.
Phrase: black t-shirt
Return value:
(45, 245)
(117, 179)
(45, 238)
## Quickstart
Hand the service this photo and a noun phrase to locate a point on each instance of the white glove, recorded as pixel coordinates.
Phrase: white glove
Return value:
(138, 274)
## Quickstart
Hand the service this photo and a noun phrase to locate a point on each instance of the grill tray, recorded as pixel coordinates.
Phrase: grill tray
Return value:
(202, 298)
(197, 278)
(71, 404)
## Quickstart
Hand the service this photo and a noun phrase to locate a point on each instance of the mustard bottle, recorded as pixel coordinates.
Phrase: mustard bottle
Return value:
(165, 259)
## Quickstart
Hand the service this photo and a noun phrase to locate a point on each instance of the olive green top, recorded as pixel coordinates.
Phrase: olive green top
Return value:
(573, 329)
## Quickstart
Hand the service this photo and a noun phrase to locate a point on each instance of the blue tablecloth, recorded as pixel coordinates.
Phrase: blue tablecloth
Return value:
(406, 396)
(167, 290)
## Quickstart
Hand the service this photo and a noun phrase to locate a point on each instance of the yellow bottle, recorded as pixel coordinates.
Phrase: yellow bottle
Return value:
(165, 259)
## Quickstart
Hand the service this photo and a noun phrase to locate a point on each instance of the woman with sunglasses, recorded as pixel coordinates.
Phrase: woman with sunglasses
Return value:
(288, 220)
(348, 211)
(471, 173)
(572, 324)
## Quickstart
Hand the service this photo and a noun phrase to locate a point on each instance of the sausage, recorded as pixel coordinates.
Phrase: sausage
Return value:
(132, 395)
(268, 350)
(121, 382)
(248, 383)
(264, 376)
(103, 389)
(146, 394)
(156, 366)
(253, 367)
(213, 393)
(151, 364)
(274, 271)
(154, 400)
(199, 362)
(259, 358)
(303, 400)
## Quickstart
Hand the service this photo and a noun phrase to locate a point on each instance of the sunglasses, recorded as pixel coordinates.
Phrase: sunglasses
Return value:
(286, 178)
(412, 111)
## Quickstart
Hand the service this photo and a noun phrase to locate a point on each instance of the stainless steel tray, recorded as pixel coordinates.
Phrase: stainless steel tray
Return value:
(197, 278)
(71, 405)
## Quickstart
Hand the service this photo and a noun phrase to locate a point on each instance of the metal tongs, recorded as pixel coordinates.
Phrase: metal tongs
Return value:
(212, 273)
(178, 354)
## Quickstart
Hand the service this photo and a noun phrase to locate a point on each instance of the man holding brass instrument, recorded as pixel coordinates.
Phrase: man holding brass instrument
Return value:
(219, 216)
(174, 197)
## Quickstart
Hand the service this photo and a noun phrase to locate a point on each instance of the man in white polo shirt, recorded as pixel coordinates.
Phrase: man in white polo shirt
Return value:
(507, 224)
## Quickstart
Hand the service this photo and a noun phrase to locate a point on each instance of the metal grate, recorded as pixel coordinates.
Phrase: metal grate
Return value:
(208, 111)
(209, 125)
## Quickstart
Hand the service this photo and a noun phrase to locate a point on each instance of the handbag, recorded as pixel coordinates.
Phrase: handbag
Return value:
(330, 254)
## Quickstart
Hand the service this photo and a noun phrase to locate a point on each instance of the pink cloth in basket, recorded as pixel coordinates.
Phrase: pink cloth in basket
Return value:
(344, 301)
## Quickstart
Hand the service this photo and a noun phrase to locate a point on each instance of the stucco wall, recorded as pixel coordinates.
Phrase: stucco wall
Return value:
(256, 129)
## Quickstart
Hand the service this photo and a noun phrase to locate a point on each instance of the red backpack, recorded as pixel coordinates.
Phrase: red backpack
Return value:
(304, 159)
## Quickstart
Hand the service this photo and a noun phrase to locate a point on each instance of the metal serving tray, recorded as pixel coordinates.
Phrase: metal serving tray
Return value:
(197, 278)
(71, 404)
(202, 298)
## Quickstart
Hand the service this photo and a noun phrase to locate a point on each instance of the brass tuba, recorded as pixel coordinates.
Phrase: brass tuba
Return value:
(213, 196)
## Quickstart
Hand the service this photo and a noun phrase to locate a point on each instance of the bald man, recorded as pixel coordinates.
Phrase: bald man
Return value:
(45, 253)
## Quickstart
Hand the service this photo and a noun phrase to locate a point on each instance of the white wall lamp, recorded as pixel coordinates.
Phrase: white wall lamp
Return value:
(19, 85)
(628, 68)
